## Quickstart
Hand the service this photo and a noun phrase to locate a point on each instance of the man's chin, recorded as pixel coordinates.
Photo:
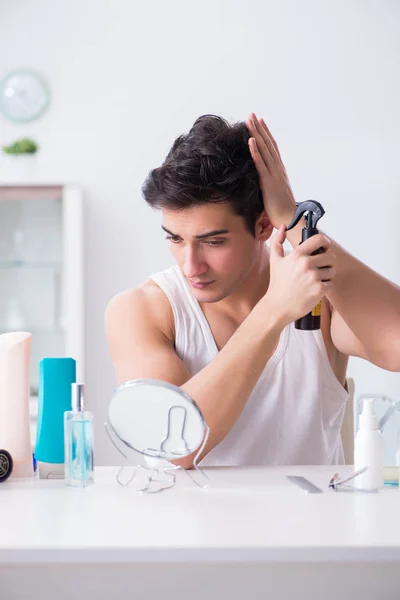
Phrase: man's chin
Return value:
(206, 297)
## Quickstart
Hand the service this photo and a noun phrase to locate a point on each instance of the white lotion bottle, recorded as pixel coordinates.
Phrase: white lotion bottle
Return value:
(15, 435)
(369, 450)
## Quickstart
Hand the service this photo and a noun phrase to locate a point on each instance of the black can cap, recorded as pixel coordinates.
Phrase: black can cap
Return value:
(6, 465)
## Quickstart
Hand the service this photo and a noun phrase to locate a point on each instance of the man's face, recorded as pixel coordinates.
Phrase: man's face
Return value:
(212, 246)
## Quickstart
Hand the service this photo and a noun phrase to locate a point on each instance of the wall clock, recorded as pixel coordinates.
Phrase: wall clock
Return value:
(24, 96)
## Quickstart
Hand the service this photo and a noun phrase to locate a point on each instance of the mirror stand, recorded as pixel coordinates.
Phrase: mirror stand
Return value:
(154, 483)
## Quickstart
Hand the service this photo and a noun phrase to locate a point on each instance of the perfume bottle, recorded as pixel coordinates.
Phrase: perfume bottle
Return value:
(78, 439)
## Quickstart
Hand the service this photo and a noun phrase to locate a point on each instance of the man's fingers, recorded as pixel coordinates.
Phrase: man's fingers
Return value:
(326, 273)
(266, 141)
(314, 243)
(277, 243)
(259, 162)
(326, 259)
(263, 149)
(271, 137)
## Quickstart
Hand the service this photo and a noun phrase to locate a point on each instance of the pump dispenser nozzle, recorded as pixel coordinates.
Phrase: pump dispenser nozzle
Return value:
(312, 211)
(369, 419)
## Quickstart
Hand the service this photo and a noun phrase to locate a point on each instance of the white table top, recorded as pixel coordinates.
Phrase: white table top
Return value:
(248, 515)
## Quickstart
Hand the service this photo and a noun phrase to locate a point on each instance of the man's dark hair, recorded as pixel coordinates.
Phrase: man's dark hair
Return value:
(212, 163)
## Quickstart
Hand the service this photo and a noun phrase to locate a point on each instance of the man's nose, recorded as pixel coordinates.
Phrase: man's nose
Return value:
(193, 265)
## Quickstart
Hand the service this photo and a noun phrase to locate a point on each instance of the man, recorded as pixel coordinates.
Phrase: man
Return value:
(220, 323)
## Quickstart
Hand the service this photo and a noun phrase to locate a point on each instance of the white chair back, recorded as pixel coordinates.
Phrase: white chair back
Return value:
(347, 430)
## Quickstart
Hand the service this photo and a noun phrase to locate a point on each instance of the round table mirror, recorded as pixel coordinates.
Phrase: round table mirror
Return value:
(156, 418)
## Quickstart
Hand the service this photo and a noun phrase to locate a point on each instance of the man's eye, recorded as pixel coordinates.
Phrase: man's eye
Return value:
(176, 240)
(215, 242)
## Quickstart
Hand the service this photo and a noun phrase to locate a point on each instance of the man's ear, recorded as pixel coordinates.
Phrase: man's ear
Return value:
(264, 227)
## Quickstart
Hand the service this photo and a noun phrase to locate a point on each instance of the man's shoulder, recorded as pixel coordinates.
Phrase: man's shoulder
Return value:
(146, 301)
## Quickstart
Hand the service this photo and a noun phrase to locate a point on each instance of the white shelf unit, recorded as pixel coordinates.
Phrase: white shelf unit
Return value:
(42, 273)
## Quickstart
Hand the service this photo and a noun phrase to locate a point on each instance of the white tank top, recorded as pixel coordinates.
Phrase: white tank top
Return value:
(295, 411)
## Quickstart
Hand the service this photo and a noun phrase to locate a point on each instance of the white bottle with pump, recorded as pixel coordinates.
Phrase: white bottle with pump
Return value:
(368, 450)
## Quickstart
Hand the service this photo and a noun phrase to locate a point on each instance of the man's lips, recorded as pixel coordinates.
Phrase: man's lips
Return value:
(200, 284)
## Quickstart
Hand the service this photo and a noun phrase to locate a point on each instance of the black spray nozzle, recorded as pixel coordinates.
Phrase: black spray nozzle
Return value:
(312, 211)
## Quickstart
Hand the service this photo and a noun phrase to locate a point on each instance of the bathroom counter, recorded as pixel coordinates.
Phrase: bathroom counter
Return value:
(252, 526)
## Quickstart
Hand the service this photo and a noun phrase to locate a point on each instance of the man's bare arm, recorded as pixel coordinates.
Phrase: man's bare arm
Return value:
(366, 309)
(366, 306)
(138, 347)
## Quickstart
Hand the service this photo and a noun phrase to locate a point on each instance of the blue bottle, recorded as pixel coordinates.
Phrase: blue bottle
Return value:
(78, 438)
(55, 380)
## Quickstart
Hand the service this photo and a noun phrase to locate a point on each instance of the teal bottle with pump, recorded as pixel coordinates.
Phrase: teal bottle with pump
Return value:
(312, 211)
(55, 379)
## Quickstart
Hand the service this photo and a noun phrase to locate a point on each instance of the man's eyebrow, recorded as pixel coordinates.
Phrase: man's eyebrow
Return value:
(199, 237)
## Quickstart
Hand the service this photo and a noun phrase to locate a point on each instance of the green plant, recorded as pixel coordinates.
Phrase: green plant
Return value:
(23, 146)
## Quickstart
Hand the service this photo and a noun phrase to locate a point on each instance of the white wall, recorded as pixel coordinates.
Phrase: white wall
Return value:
(128, 77)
